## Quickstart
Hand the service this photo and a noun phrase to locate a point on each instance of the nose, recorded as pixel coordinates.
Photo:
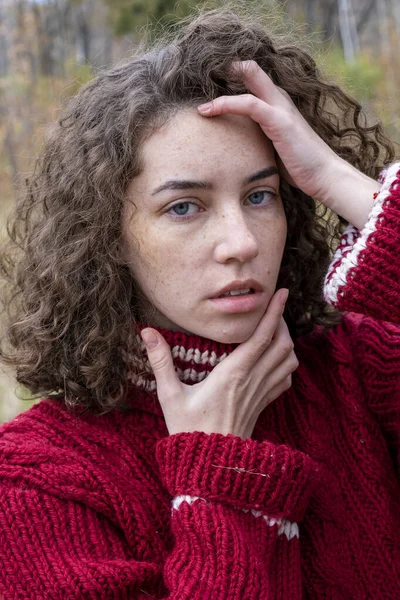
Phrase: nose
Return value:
(235, 239)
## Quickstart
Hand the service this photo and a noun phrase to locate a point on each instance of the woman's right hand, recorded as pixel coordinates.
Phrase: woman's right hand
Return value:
(233, 395)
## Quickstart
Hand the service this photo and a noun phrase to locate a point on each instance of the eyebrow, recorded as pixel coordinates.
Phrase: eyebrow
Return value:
(189, 184)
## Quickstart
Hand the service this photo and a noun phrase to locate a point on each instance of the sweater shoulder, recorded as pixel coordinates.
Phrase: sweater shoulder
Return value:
(343, 365)
(50, 423)
(46, 425)
(352, 335)
(353, 366)
(334, 343)
(49, 449)
(43, 439)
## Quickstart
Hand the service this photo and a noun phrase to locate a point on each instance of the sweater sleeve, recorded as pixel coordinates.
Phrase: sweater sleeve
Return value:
(376, 348)
(236, 505)
(364, 275)
(364, 278)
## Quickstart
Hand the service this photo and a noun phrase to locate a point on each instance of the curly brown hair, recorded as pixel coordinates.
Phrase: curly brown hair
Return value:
(71, 302)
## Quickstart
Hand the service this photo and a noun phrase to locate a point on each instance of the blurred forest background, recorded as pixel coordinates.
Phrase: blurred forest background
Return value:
(49, 48)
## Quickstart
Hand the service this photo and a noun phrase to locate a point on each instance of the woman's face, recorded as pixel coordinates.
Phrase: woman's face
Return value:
(208, 219)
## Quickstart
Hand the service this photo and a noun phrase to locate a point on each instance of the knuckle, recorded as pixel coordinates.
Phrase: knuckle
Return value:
(266, 341)
(253, 101)
(218, 104)
(250, 67)
(284, 93)
(250, 100)
(295, 362)
(287, 382)
(287, 347)
(160, 362)
(239, 378)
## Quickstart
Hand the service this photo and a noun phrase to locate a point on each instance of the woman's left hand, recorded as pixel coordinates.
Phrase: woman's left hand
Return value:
(307, 161)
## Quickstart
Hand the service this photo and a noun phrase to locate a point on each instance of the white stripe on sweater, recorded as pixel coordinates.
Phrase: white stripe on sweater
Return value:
(285, 527)
(355, 241)
(146, 379)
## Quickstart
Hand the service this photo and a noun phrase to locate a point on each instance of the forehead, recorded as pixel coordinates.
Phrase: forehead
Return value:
(190, 140)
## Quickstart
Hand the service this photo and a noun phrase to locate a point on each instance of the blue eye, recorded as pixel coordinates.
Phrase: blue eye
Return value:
(260, 197)
(182, 209)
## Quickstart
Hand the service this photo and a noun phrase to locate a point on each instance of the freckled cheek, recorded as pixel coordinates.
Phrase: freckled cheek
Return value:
(272, 245)
(167, 263)
(180, 275)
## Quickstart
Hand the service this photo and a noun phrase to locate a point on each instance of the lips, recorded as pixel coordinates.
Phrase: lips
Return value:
(235, 293)
(248, 284)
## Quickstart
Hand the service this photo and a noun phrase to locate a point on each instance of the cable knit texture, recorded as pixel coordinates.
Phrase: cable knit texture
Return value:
(110, 506)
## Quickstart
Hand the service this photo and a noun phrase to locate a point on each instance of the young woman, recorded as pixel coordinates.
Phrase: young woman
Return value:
(223, 460)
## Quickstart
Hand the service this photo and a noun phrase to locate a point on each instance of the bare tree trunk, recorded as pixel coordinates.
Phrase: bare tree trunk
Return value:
(83, 41)
(365, 15)
(9, 146)
(44, 47)
(84, 34)
(310, 17)
(4, 40)
(383, 28)
(12, 18)
(108, 49)
(329, 20)
(348, 30)
(395, 6)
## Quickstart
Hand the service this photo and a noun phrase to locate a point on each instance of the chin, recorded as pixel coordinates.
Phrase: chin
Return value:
(234, 330)
(230, 339)
(234, 334)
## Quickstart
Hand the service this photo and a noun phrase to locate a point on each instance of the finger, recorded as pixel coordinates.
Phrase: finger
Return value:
(248, 353)
(257, 81)
(244, 104)
(282, 371)
(279, 349)
(278, 390)
(160, 359)
(281, 379)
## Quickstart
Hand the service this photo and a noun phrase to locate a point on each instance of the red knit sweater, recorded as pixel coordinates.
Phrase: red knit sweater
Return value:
(112, 507)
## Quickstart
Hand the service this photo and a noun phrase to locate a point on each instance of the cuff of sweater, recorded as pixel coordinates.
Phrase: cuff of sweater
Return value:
(243, 474)
(364, 274)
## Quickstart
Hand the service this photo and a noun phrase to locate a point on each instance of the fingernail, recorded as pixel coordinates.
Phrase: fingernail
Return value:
(284, 296)
(149, 338)
(236, 65)
(204, 108)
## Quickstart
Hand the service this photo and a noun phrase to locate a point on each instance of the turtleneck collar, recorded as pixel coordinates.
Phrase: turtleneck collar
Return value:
(194, 358)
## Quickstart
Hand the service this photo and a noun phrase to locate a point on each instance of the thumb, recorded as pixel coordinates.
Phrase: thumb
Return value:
(160, 359)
